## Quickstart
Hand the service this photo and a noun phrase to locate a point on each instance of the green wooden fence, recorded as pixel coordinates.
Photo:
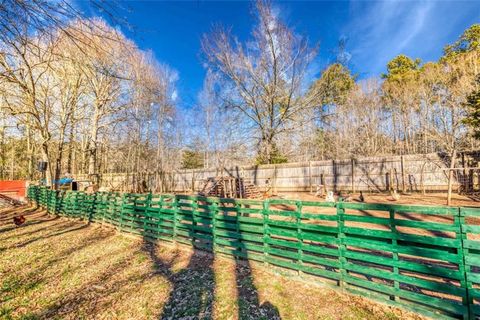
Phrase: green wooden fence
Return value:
(426, 259)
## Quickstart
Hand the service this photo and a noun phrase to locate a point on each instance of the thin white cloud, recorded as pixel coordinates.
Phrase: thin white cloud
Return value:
(414, 26)
(378, 31)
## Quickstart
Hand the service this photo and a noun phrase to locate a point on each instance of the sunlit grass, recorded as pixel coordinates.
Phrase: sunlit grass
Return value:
(66, 269)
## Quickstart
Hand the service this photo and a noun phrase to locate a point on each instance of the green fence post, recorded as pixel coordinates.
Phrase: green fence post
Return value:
(51, 195)
(47, 201)
(463, 252)
(160, 218)
(393, 229)
(122, 212)
(90, 209)
(341, 242)
(53, 200)
(80, 204)
(97, 207)
(240, 249)
(194, 222)
(105, 197)
(298, 219)
(37, 197)
(59, 202)
(45, 198)
(175, 223)
(214, 224)
(266, 231)
(111, 208)
(73, 204)
(146, 214)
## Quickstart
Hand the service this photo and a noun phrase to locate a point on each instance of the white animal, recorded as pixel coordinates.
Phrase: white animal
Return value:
(395, 195)
(330, 197)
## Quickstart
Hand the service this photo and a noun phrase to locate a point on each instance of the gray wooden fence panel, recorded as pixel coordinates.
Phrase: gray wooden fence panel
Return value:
(370, 174)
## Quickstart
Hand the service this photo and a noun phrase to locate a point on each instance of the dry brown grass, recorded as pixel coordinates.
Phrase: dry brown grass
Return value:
(56, 268)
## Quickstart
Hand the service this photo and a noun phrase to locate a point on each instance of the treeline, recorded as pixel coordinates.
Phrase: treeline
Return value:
(77, 93)
(414, 107)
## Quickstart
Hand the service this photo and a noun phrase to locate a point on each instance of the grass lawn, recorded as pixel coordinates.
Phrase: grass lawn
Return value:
(57, 268)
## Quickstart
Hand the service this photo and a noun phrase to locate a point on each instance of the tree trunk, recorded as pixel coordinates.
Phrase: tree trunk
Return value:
(29, 153)
(58, 161)
(92, 149)
(48, 172)
(450, 177)
(70, 149)
(266, 148)
(3, 152)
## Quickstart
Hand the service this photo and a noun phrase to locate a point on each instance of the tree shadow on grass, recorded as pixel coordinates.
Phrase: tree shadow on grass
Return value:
(6, 214)
(45, 226)
(248, 299)
(13, 227)
(32, 217)
(17, 282)
(43, 234)
(249, 306)
(53, 234)
(90, 297)
(192, 288)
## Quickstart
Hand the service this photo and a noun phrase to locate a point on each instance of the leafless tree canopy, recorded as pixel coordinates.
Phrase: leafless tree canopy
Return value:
(78, 94)
(267, 75)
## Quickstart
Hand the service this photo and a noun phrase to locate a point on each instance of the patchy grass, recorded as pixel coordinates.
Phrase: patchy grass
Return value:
(56, 268)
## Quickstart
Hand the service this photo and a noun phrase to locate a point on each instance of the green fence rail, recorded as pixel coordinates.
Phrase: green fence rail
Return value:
(426, 259)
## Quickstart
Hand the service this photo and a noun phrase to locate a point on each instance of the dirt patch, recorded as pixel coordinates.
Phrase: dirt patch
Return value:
(62, 268)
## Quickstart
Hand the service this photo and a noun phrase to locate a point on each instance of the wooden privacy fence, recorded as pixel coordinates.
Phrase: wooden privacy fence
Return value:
(426, 259)
(412, 173)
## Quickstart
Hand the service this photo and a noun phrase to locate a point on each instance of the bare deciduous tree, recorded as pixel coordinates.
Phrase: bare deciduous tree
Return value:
(267, 75)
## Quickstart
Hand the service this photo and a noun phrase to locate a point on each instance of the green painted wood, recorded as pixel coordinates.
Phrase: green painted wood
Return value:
(342, 249)
(370, 255)
(471, 258)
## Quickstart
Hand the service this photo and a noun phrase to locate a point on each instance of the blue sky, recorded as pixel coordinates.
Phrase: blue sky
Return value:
(376, 30)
